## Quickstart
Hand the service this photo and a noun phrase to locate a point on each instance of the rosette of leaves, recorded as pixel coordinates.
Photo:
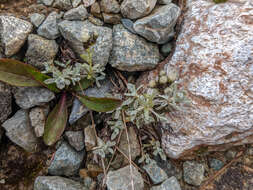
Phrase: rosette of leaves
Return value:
(66, 82)
(103, 148)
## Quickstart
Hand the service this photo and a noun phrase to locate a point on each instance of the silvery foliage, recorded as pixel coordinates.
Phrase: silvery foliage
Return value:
(116, 127)
(103, 148)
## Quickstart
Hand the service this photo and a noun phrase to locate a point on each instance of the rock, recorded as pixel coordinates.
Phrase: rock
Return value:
(76, 33)
(115, 180)
(76, 3)
(230, 154)
(79, 13)
(49, 28)
(169, 184)
(28, 97)
(95, 21)
(156, 174)
(216, 68)
(166, 49)
(56, 183)
(5, 102)
(193, 173)
(95, 9)
(131, 52)
(109, 6)
(134, 9)
(47, 2)
(38, 116)
(111, 18)
(78, 110)
(164, 2)
(66, 161)
(13, 34)
(75, 139)
(36, 19)
(40, 51)
(215, 164)
(88, 3)
(128, 24)
(63, 4)
(89, 138)
(19, 131)
(159, 26)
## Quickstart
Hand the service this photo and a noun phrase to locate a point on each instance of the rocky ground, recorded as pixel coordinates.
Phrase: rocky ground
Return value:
(206, 145)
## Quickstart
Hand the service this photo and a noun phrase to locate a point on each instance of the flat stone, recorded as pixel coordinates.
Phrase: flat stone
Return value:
(76, 3)
(158, 26)
(111, 18)
(40, 51)
(134, 9)
(88, 3)
(79, 13)
(56, 183)
(63, 4)
(36, 19)
(216, 68)
(75, 139)
(156, 174)
(169, 184)
(115, 180)
(110, 6)
(128, 24)
(28, 97)
(131, 52)
(215, 164)
(5, 102)
(193, 173)
(13, 34)
(89, 138)
(164, 2)
(19, 131)
(49, 28)
(66, 161)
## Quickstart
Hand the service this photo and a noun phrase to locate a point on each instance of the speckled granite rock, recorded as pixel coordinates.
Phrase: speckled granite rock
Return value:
(46, 2)
(76, 3)
(169, 184)
(214, 55)
(109, 6)
(36, 19)
(156, 174)
(75, 139)
(5, 101)
(62, 4)
(131, 52)
(111, 18)
(13, 33)
(193, 172)
(158, 26)
(78, 13)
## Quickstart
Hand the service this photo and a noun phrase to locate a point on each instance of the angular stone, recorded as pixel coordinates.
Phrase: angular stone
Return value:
(158, 26)
(49, 28)
(216, 69)
(89, 138)
(79, 13)
(75, 139)
(215, 164)
(5, 102)
(76, 3)
(36, 19)
(128, 24)
(66, 161)
(78, 32)
(95, 8)
(164, 2)
(110, 6)
(27, 97)
(13, 34)
(40, 51)
(111, 18)
(19, 131)
(115, 180)
(56, 183)
(134, 9)
(166, 49)
(193, 173)
(47, 2)
(131, 52)
(156, 174)
(169, 184)
(63, 4)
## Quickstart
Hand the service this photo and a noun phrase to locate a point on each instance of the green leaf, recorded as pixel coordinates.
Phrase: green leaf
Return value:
(219, 1)
(56, 122)
(16, 73)
(99, 104)
(84, 84)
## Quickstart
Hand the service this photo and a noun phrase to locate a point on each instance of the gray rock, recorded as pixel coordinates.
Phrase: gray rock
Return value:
(5, 102)
(88, 3)
(79, 13)
(49, 28)
(230, 154)
(134, 9)
(131, 52)
(109, 6)
(75, 139)
(66, 161)
(78, 32)
(27, 97)
(156, 174)
(19, 131)
(56, 183)
(169, 184)
(159, 26)
(38, 116)
(46, 2)
(111, 18)
(36, 19)
(13, 34)
(1, 134)
(128, 24)
(116, 180)
(166, 49)
(216, 68)
(215, 164)
(63, 4)
(193, 173)
(76, 3)
(89, 138)
(164, 2)
(78, 110)
(95, 21)
(40, 51)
